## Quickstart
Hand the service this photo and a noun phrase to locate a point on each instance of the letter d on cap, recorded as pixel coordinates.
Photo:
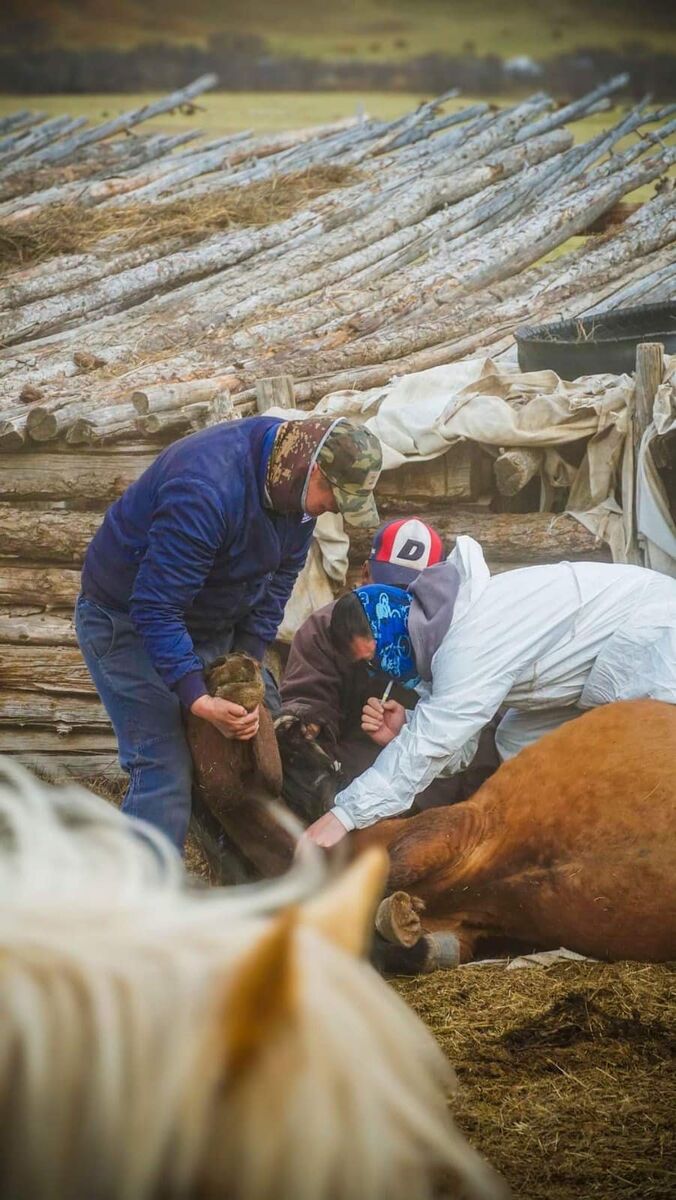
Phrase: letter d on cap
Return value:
(411, 551)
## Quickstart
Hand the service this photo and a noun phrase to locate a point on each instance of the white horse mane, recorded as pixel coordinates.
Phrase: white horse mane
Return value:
(115, 1082)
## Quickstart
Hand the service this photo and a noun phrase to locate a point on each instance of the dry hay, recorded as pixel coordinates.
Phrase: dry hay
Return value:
(76, 229)
(566, 1073)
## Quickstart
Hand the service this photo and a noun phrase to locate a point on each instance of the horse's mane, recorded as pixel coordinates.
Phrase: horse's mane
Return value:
(66, 842)
(115, 983)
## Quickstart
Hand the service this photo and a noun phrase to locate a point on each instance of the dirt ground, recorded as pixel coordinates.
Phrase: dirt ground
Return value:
(566, 1075)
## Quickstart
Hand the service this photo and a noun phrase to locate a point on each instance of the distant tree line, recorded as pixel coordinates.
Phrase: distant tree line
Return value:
(242, 64)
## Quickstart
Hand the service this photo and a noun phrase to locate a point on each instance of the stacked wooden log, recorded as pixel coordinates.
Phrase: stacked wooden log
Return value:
(429, 247)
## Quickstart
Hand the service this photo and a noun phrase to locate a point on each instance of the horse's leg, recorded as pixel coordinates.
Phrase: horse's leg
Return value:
(407, 944)
(434, 951)
(227, 865)
(383, 833)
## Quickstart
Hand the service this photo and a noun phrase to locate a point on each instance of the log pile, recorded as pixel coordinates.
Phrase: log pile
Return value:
(425, 240)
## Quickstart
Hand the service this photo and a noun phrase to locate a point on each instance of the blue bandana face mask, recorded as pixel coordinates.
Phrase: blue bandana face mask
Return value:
(387, 610)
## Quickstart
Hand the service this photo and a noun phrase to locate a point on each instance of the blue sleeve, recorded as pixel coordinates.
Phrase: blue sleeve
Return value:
(187, 530)
(260, 626)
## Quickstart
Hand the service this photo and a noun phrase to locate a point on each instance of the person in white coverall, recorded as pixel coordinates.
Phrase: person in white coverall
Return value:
(547, 642)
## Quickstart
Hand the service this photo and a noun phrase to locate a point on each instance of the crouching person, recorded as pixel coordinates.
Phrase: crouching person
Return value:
(547, 642)
(328, 681)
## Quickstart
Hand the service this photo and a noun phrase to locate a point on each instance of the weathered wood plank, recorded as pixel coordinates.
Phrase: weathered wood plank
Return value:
(277, 391)
(46, 587)
(35, 629)
(649, 370)
(463, 473)
(60, 767)
(20, 740)
(45, 669)
(69, 476)
(54, 535)
(53, 711)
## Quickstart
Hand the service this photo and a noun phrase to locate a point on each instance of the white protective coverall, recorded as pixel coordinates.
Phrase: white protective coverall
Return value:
(549, 642)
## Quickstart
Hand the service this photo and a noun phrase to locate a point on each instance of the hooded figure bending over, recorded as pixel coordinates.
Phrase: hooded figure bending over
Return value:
(548, 642)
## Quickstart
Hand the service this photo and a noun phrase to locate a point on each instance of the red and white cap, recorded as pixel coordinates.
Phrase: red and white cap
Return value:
(401, 549)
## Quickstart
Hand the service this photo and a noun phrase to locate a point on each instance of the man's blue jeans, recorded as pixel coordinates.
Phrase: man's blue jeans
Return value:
(145, 714)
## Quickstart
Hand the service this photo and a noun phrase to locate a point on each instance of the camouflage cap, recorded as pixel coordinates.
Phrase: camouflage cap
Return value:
(351, 458)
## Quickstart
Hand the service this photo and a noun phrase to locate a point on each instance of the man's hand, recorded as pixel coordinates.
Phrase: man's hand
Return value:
(382, 722)
(326, 832)
(232, 720)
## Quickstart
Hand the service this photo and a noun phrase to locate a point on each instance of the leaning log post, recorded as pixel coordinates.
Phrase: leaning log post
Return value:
(277, 391)
(648, 377)
(649, 370)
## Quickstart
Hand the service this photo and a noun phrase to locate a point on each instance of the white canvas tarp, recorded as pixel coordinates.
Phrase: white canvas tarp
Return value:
(420, 416)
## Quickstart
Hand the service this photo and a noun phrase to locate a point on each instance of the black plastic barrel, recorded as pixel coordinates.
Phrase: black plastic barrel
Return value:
(596, 345)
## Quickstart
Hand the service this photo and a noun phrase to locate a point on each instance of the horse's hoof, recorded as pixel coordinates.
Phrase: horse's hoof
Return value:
(398, 919)
(238, 678)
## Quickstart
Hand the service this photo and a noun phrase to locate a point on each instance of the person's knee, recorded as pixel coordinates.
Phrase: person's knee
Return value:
(166, 753)
(160, 785)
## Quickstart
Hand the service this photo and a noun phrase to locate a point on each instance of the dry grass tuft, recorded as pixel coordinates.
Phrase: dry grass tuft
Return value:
(566, 1074)
(74, 229)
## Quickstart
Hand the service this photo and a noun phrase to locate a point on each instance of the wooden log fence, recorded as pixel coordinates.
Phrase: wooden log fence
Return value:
(429, 249)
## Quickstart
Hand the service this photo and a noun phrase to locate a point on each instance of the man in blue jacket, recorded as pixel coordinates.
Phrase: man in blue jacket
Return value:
(198, 557)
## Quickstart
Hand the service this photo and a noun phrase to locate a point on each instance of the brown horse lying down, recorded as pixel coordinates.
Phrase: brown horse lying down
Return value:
(572, 843)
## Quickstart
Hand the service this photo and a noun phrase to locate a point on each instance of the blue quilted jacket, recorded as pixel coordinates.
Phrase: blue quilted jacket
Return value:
(190, 549)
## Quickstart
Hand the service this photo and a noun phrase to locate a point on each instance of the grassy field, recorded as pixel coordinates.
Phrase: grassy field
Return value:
(364, 29)
(222, 112)
(226, 112)
(263, 112)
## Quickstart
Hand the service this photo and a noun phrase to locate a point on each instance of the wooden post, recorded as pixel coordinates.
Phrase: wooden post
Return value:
(648, 377)
(515, 468)
(276, 391)
(649, 370)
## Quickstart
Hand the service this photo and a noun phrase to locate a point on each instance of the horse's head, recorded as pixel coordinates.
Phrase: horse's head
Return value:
(311, 776)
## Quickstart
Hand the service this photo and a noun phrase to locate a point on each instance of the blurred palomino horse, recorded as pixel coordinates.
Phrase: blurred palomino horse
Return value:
(159, 1040)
